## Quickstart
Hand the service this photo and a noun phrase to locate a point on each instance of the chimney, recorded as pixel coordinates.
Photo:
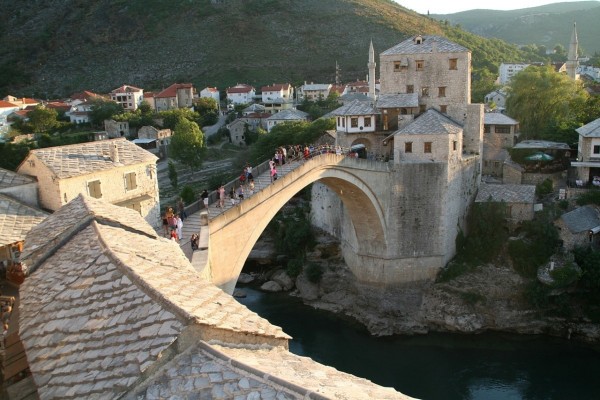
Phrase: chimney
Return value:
(114, 152)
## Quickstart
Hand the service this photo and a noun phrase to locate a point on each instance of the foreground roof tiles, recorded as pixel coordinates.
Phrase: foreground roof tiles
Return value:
(9, 179)
(17, 219)
(432, 122)
(509, 193)
(590, 130)
(429, 44)
(107, 300)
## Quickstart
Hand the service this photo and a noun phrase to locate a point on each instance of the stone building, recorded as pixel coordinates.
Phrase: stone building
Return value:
(587, 165)
(130, 97)
(500, 130)
(178, 95)
(579, 227)
(237, 132)
(116, 171)
(286, 116)
(150, 327)
(518, 199)
(116, 129)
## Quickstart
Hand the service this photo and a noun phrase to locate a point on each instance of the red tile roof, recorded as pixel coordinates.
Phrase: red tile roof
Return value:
(211, 89)
(58, 105)
(339, 89)
(241, 88)
(148, 95)
(276, 87)
(85, 95)
(6, 104)
(30, 101)
(171, 91)
(126, 89)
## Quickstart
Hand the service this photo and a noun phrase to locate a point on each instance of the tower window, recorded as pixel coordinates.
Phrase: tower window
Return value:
(420, 65)
(443, 109)
(442, 91)
(425, 91)
(410, 89)
(427, 147)
(408, 147)
(453, 63)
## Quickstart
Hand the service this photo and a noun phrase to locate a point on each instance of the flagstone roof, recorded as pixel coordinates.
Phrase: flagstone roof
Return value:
(581, 219)
(289, 115)
(356, 107)
(9, 179)
(17, 219)
(590, 130)
(509, 193)
(495, 118)
(85, 158)
(398, 100)
(108, 302)
(432, 122)
(429, 43)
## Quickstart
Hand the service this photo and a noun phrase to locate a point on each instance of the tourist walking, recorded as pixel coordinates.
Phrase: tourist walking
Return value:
(248, 172)
(181, 209)
(222, 196)
(179, 227)
(273, 174)
(204, 197)
(251, 187)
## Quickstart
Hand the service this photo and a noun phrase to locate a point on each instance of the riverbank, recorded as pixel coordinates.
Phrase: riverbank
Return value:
(490, 298)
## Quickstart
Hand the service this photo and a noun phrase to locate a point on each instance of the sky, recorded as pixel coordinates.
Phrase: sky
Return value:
(454, 6)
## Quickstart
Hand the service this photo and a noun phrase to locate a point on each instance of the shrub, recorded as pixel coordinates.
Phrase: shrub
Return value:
(172, 174)
(314, 272)
(564, 276)
(590, 197)
(544, 188)
(453, 270)
(294, 267)
(563, 204)
(188, 195)
(537, 294)
(589, 261)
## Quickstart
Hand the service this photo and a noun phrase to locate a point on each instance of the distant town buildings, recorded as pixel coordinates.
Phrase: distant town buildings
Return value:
(178, 95)
(240, 94)
(129, 97)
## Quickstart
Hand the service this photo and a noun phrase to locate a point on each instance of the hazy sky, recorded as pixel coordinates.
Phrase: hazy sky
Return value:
(453, 6)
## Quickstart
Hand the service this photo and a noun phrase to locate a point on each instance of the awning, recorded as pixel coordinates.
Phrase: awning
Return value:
(134, 200)
(595, 230)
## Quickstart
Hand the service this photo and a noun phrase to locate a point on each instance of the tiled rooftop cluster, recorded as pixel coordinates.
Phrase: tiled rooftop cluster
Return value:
(9, 179)
(429, 43)
(16, 219)
(432, 122)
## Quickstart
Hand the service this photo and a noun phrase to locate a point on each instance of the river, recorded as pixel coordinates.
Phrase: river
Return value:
(437, 366)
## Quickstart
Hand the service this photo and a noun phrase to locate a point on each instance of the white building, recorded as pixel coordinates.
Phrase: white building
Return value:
(498, 97)
(506, 71)
(240, 94)
(314, 91)
(211, 92)
(130, 97)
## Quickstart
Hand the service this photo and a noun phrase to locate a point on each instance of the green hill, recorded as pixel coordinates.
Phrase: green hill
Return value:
(53, 48)
(547, 25)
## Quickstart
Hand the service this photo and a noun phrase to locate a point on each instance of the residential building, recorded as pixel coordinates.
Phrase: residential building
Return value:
(116, 129)
(149, 98)
(507, 70)
(499, 130)
(116, 171)
(254, 108)
(580, 227)
(314, 91)
(178, 95)
(80, 112)
(6, 108)
(587, 165)
(22, 102)
(497, 97)
(256, 120)
(156, 141)
(279, 91)
(237, 132)
(129, 97)
(494, 158)
(590, 71)
(211, 92)
(355, 117)
(519, 200)
(286, 116)
(240, 94)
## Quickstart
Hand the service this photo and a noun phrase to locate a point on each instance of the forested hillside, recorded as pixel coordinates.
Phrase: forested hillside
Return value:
(53, 48)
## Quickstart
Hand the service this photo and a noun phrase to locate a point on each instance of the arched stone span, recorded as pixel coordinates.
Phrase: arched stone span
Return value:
(234, 233)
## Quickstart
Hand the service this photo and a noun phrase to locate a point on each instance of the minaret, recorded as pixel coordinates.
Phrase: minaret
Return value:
(572, 60)
(371, 71)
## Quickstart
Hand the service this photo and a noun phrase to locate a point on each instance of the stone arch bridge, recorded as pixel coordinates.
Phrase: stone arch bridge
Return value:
(392, 231)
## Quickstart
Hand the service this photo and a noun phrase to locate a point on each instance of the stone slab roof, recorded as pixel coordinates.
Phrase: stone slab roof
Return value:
(432, 122)
(430, 42)
(398, 100)
(10, 179)
(495, 118)
(107, 300)
(349, 97)
(289, 115)
(17, 219)
(508, 193)
(541, 144)
(85, 158)
(590, 130)
(356, 107)
(581, 219)
(305, 373)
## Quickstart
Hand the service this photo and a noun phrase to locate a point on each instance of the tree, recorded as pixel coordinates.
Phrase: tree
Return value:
(543, 100)
(172, 174)
(204, 105)
(42, 119)
(104, 109)
(187, 144)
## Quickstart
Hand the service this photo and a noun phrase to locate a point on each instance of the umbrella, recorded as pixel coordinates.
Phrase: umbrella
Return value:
(539, 156)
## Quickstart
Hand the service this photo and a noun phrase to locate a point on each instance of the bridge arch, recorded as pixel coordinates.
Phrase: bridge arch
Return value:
(234, 233)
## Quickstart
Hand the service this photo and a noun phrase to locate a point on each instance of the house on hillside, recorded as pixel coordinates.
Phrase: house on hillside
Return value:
(507, 70)
(500, 130)
(494, 158)
(211, 93)
(178, 95)
(116, 171)
(149, 98)
(22, 102)
(314, 91)
(286, 116)
(156, 141)
(518, 199)
(277, 97)
(129, 97)
(580, 227)
(237, 132)
(116, 129)
(240, 94)
(6, 108)
(256, 120)
(587, 165)
(497, 97)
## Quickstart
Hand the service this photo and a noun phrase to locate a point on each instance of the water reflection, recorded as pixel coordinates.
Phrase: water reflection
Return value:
(438, 366)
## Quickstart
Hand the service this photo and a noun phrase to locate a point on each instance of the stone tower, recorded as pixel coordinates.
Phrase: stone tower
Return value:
(573, 60)
(372, 66)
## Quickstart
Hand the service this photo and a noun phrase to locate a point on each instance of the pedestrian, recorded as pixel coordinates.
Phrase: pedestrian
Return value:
(179, 227)
(222, 196)
(195, 241)
(271, 164)
(306, 153)
(232, 196)
(276, 157)
(248, 172)
(273, 174)
(181, 209)
(204, 197)
(173, 235)
(251, 187)
(240, 193)
(165, 224)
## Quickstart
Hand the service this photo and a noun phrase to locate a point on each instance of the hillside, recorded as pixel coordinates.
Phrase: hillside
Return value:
(545, 25)
(55, 47)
